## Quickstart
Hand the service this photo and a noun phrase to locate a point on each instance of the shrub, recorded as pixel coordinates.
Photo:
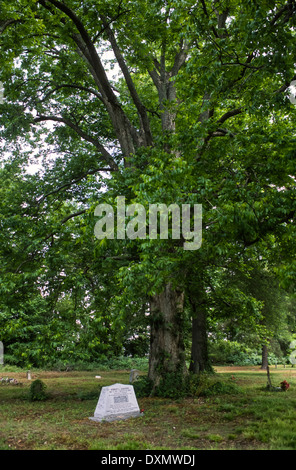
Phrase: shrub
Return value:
(111, 363)
(143, 387)
(11, 360)
(172, 385)
(175, 386)
(37, 391)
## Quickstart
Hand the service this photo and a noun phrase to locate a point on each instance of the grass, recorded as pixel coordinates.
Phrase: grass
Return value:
(252, 418)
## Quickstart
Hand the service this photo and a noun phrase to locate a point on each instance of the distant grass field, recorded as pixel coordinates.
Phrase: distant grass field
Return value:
(250, 418)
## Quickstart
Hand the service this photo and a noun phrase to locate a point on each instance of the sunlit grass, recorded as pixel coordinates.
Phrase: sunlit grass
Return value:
(251, 418)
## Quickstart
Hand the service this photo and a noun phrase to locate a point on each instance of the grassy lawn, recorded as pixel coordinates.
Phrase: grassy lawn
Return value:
(250, 419)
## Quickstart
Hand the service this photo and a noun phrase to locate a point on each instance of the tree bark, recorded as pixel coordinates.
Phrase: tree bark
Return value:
(264, 364)
(167, 351)
(199, 350)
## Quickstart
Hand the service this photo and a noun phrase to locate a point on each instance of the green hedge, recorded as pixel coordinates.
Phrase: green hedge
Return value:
(105, 363)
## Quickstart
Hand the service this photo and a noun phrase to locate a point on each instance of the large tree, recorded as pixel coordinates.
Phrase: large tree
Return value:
(198, 114)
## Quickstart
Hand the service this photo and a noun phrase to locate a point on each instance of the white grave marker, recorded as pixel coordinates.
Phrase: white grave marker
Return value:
(116, 402)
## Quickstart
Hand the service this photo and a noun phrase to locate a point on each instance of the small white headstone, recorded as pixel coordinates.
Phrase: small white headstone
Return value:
(116, 402)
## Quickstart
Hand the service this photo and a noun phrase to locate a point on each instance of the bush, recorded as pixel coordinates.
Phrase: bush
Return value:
(175, 387)
(11, 360)
(172, 385)
(232, 352)
(37, 391)
(143, 387)
(112, 363)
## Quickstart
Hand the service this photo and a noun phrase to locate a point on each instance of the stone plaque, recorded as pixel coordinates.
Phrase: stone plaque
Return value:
(116, 402)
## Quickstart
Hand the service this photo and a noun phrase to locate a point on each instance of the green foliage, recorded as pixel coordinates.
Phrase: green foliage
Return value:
(176, 387)
(251, 358)
(104, 363)
(143, 387)
(235, 353)
(214, 97)
(172, 385)
(37, 391)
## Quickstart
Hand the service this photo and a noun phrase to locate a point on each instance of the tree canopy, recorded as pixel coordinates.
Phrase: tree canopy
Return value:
(173, 102)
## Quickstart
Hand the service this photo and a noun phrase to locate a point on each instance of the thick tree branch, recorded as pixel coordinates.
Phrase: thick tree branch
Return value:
(109, 22)
(125, 131)
(105, 154)
(93, 55)
(4, 24)
(289, 7)
(229, 114)
(155, 77)
(204, 8)
(130, 84)
(180, 59)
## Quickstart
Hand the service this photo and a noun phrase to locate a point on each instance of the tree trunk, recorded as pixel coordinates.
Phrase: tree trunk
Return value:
(264, 357)
(199, 350)
(167, 351)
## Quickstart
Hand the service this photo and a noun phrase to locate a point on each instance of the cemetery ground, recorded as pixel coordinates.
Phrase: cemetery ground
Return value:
(240, 415)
